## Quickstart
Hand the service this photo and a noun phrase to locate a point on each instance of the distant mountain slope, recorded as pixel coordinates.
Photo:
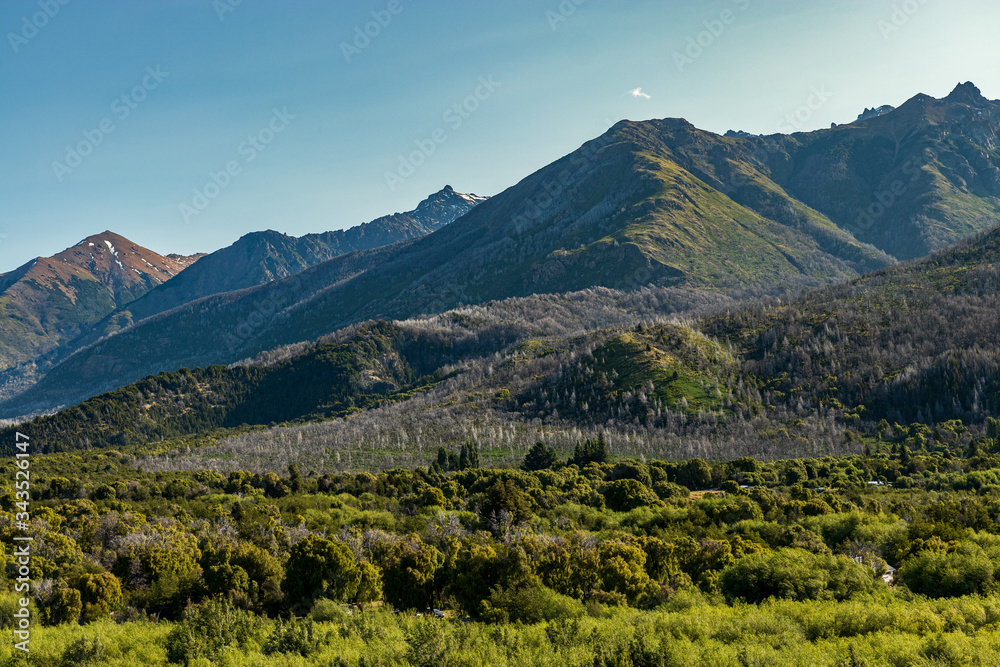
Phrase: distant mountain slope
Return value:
(331, 379)
(261, 257)
(906, 349)
(919, 342)
(656, 202)
(255, 259)
(356, 368)
(52, 299)
(910, 181)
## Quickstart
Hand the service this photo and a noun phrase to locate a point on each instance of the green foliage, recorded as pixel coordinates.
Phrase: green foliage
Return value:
(83, 653)
(369, 585)
(965, 571)
(590, 451)
(622, 570)
(626, 494)
(320, 568)
(695, 474)
(61, 605)
(468, 457)
(474, 570)
(101, 594)
(539, 457)
(505, 499)
(299, 637)
(529, 604)
(207, 629)
(409, 568)
(327, 611)
(794, 574)
(428, 644)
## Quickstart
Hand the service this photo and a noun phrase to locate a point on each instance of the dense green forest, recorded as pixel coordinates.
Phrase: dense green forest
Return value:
(570, 558)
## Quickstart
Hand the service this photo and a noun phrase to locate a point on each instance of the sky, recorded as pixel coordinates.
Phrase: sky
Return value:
(184, 124)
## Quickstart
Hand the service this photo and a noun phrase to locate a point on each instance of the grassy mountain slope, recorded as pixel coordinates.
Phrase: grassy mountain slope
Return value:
(909, 182)
(643, 371)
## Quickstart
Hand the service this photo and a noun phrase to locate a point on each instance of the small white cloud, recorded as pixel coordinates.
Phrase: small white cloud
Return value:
(637, 93)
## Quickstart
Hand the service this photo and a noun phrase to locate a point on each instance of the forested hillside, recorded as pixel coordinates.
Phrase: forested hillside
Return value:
(912, 345)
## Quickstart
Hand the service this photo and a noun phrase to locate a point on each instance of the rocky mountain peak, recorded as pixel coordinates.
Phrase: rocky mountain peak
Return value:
(444, 206)
(966, 93)
(875, 112)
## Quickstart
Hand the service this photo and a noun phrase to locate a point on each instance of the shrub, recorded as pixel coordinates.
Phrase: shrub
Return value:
(627, 494)
(101, 594)
(83, 653)
(318, 567)
(794, 574)
(529, 604)
(294, 637)
(206, 629)
(328, 611)
(936, 574)
(59, 605)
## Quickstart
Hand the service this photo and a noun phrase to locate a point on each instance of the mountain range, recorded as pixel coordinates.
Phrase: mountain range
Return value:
(262, 257)
(54, 306)
(648, 205)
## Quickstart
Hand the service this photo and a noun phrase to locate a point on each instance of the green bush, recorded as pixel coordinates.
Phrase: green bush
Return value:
(317, 568)
(294, 637)
(794, 574)
(936, 574)
(62, 605)
(83, 653)
(328, 611)
(627, 494)
(530, 604)
(206, 629)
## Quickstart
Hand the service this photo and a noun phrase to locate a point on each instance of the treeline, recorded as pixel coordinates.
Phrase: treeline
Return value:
(329, 379)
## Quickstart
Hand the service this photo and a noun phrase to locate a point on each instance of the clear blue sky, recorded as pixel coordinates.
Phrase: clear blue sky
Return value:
(559, 73)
